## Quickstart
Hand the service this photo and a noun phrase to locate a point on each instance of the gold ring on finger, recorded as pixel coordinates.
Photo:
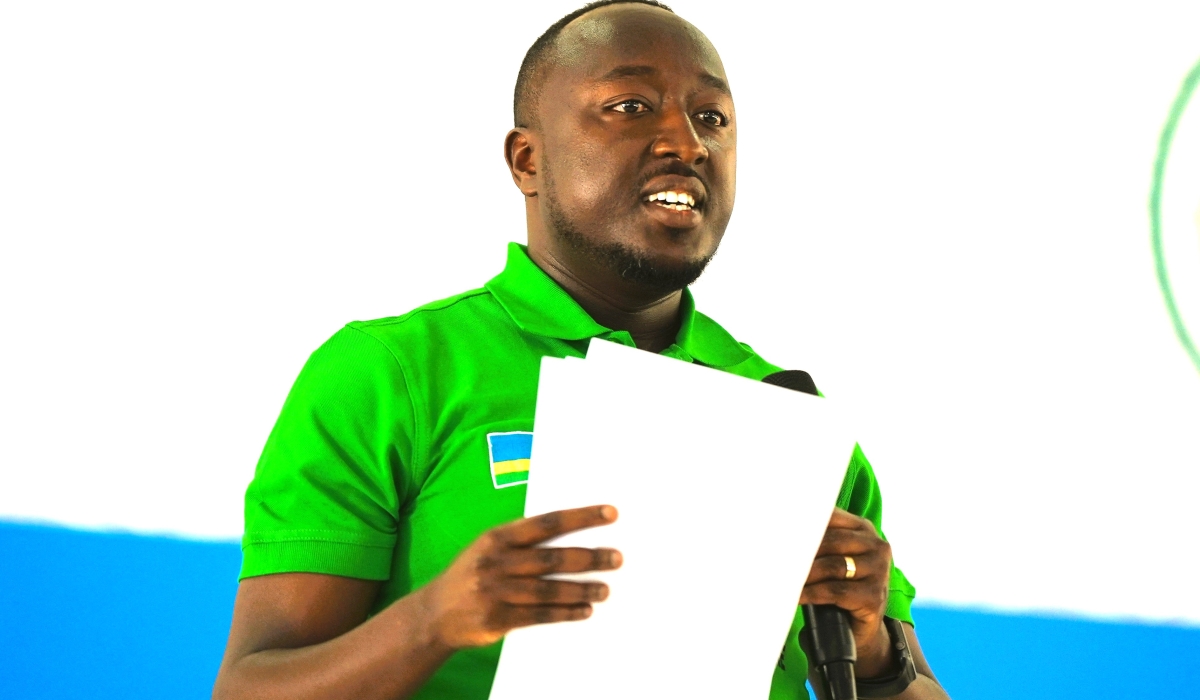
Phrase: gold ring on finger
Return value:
(851, 569)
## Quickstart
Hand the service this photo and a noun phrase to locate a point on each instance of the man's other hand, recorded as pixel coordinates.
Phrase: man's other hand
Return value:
(864, 595)
(498, 583)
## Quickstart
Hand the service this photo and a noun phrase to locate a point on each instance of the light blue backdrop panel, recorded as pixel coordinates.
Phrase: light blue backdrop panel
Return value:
(98, 616)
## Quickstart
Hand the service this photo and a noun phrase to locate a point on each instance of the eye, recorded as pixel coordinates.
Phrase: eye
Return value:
(630, 107)
(712, 117)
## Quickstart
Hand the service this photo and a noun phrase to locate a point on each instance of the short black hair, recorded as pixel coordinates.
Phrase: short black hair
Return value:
(533, 73)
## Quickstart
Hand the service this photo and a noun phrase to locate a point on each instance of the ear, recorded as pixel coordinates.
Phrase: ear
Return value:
(521, 151)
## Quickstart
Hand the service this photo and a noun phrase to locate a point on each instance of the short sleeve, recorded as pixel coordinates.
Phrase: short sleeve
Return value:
(336, 468)
(860, 495)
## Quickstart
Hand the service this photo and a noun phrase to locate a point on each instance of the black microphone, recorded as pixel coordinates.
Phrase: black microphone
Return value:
(826, 638)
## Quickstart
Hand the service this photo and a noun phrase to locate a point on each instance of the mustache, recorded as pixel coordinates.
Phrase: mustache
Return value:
(673, 167)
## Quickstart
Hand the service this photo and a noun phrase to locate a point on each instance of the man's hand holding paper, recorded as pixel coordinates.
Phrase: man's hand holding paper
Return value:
(499, 583)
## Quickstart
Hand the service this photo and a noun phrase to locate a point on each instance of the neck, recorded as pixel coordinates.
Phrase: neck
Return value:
(652, 318)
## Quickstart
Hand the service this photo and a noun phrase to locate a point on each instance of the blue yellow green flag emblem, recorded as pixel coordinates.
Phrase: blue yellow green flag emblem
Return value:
(509, 454)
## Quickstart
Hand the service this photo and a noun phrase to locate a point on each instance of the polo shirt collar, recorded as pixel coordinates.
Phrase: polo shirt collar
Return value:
(538, 305)
(705, 340)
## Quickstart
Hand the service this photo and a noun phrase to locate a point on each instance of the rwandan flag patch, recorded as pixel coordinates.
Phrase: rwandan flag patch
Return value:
(509, 453)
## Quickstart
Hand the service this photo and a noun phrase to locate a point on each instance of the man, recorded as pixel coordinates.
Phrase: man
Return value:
(384, 554)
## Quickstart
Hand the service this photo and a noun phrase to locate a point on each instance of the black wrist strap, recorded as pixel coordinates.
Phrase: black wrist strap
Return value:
(895, 684)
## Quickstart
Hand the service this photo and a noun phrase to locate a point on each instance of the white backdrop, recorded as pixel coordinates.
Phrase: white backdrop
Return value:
(947, 205)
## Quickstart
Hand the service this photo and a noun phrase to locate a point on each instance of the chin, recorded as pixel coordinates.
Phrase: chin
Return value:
(662, 267)
(678, 246)
(658, 257)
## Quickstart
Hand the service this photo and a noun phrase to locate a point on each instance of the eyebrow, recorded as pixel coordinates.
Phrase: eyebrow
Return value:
(627, 71)
(634, 71)
(714, 82)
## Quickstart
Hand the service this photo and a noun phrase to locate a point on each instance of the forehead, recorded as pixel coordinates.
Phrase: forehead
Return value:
(632, 35)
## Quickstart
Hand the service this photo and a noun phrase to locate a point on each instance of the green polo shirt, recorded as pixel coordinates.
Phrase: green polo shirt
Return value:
(381, 464)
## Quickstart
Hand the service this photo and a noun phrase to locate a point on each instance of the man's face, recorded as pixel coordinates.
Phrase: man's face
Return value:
(638, 110)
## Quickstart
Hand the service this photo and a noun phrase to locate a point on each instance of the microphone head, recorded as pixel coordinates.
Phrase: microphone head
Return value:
(794, 379)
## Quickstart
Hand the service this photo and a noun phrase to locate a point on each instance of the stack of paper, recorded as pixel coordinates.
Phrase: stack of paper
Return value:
(724, 487)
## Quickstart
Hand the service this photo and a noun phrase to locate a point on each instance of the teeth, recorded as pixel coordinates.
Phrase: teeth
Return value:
(679, 201)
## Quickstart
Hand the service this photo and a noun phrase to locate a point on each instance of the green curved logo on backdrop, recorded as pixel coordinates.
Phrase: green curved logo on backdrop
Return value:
(1156, 217)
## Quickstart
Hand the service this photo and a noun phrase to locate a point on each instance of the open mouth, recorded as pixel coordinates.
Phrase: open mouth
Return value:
(675, 201)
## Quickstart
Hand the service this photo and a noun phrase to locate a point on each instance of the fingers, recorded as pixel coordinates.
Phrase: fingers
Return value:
(513, 616)
(863, 600)
(838, 593)
(851, 542)
(833, 568)
(508, 567)
(544, 591)
(849, 521)
(539, 561)
(531, 531)
(498, 583)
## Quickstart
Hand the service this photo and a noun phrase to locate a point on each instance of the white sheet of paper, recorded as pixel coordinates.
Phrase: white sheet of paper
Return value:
(724, 488)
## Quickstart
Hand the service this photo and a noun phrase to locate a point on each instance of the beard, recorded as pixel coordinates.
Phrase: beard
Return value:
(626, 262)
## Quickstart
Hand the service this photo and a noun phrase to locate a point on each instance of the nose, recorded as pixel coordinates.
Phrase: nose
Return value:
(677, 138)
